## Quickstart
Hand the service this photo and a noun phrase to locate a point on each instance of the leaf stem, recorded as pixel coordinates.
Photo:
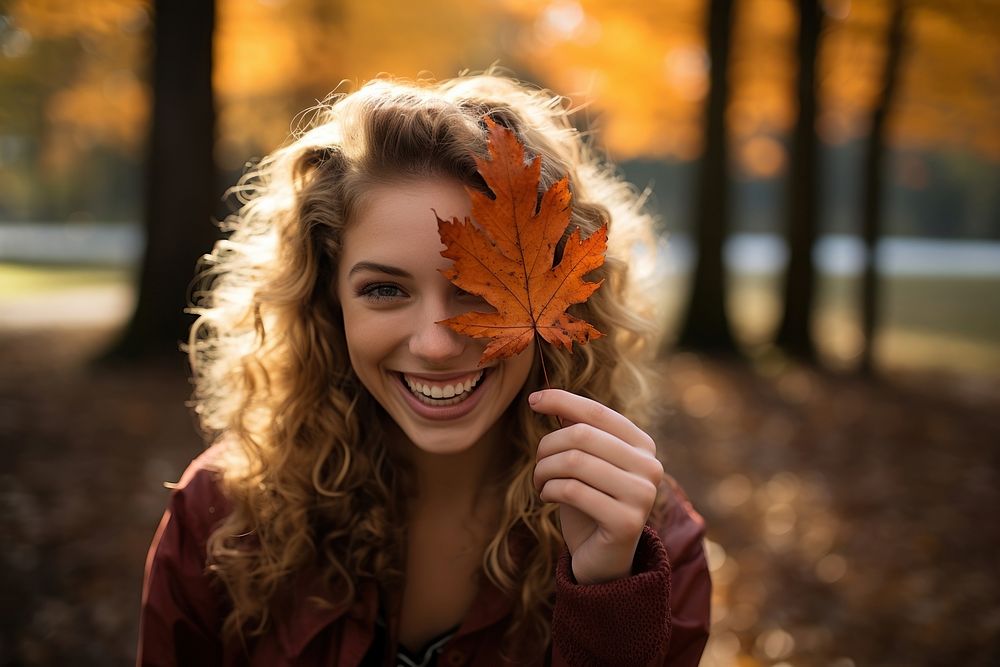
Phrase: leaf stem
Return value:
(541, 358)
(545, 373)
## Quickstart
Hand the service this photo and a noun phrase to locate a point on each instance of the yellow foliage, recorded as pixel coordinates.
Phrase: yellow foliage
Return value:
(104, 103)
(639, 69)
(58, 18)
(274, 58)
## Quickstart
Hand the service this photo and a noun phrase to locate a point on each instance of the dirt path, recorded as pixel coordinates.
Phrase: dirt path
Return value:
(850, 523)
(85, 455)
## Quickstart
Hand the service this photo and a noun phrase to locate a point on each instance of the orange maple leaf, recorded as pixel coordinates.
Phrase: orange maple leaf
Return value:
(508, 259)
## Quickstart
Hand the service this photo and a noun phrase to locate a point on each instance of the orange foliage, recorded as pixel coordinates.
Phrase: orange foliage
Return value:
(644, 68)
(640, 68)
(273, 58)
(104, 101)
(508, 258)
(641, 65)
(950, 92)
(57, 18)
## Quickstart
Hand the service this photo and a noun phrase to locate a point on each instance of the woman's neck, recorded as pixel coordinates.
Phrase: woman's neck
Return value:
(457, 483)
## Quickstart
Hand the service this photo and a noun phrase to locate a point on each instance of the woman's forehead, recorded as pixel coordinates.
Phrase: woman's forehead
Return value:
(398, 221)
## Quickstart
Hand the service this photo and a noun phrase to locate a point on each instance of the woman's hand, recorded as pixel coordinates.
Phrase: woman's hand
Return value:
(602, 470)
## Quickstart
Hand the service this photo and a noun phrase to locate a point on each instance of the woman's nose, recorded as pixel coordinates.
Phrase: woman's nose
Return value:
(435, 343)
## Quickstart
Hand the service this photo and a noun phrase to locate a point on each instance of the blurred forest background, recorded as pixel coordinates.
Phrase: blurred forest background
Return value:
(826, 177)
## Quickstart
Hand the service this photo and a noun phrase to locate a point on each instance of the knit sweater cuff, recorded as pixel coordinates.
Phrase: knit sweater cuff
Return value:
(621, 622)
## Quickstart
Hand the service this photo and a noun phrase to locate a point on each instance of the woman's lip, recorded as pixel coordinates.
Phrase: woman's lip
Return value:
(445, 412)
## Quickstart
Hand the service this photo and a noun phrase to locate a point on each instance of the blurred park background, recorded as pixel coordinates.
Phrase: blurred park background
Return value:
(826, 178)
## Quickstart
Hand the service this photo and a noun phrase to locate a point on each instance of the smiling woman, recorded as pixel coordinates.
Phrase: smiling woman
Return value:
(392, 296)
(372, 495)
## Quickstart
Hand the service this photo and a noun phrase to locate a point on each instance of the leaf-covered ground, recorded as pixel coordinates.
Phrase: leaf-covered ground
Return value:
(850, 523)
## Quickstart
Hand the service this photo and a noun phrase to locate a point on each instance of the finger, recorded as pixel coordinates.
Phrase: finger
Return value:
(597, 473)
(579, 409)
(616, 520)
(603, 445)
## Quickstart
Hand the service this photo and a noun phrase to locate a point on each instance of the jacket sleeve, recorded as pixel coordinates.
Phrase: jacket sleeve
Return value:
(657, 616)
(180, 618)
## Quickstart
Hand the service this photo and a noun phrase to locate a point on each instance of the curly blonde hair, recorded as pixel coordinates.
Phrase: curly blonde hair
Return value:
(310, 479)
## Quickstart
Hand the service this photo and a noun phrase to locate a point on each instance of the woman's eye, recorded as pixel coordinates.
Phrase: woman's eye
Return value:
(380, 292)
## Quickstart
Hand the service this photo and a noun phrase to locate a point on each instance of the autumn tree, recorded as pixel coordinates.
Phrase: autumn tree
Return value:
(794, 334)
(872, 208)
(181, 183)
(706, 325)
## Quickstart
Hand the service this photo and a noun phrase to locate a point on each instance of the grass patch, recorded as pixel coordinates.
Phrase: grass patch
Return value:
(26, 279)
(926, 321)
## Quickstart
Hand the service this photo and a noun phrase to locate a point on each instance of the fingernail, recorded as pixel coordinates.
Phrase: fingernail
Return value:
(534, 397)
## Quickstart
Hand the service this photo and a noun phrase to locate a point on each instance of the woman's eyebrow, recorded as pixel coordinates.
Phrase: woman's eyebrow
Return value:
(378, 268)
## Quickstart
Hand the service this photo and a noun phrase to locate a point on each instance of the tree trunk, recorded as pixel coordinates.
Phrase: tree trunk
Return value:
(181, 182)
(871, 221)
(706, 326)
(795, 330)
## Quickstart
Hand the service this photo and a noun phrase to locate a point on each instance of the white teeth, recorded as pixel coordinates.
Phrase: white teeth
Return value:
(448, 394)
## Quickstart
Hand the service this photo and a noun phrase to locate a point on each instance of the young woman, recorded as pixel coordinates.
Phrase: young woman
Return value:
(374, 496)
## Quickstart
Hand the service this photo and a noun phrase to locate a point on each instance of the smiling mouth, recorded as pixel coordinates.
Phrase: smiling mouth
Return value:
(443, 394)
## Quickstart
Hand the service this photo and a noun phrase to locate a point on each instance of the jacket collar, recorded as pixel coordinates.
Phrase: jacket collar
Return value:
(305, 613)
(302, 616)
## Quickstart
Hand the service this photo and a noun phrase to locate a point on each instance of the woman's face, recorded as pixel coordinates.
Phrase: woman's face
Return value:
(392, 294)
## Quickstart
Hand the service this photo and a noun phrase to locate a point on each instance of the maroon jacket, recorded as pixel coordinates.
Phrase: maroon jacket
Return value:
(657, 616)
